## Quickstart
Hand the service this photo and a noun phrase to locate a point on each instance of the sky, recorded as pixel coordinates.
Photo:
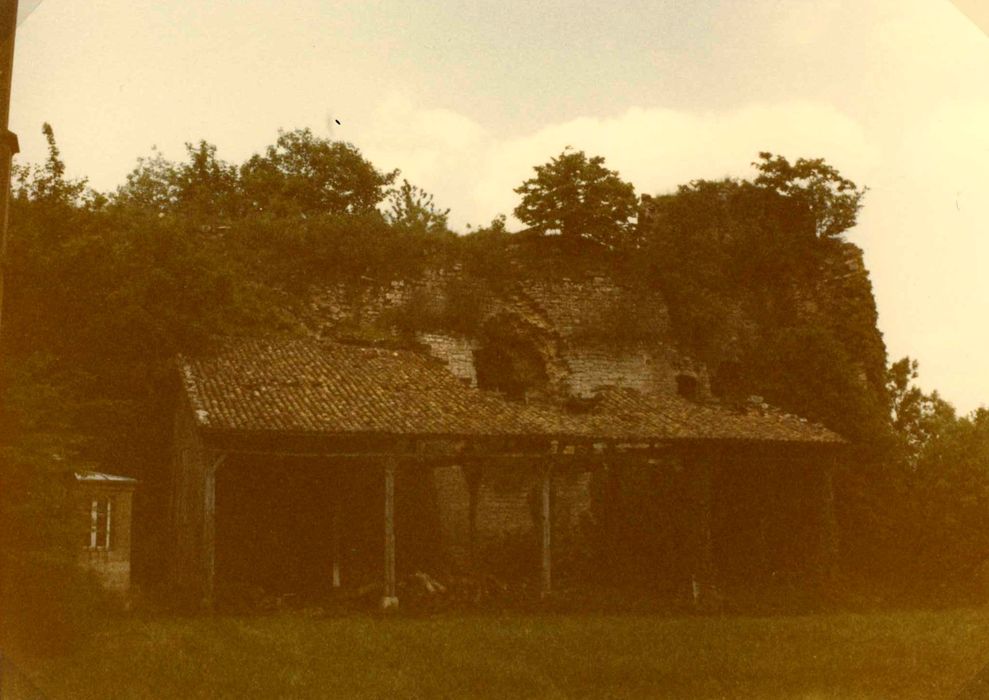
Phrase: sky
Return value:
(465, 97)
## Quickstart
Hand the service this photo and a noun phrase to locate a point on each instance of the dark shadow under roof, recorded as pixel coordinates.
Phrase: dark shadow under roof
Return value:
(313, 387)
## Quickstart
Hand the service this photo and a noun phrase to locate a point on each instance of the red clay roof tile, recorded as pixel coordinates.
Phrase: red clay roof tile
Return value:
(319, 387)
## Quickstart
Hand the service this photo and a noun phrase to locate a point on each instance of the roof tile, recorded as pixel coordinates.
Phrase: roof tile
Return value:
(320, 387)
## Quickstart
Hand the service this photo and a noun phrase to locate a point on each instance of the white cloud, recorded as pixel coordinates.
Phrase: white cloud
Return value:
(656, 149)
(923, 226)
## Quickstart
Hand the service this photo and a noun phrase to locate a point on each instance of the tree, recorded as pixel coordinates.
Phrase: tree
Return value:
(207, 186)
(412, 209)
(152, 185)
(202, 188)
(302, 174)
(918, 418)
(578, 197)
(47, 182)
(831, 202)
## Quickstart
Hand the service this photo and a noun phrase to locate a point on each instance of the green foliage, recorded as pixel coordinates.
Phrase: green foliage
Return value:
(829, 201)
(46, 183)
(302, 174)
(101, 295)
(203, 188)
(207, 186)
(951, 486)
(412, 209)
(935, 494)
(578, 197)
(152, 186)
(805, 369)
(720, 249)
(46, 605)
(748, 270)
(457, 306)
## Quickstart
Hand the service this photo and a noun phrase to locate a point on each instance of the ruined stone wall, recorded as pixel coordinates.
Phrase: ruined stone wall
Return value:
(507, 517)
(596, 365)
(453, 504)
(590, 331)
(455, 350)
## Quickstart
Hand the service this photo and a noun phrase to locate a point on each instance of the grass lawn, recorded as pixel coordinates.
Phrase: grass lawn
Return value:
(888, 655)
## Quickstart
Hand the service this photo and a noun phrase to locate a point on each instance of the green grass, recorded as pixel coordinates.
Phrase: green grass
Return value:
(888, 655)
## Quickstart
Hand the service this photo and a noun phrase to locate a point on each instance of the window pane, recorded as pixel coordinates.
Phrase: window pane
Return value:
(101, 522)
(94, 508)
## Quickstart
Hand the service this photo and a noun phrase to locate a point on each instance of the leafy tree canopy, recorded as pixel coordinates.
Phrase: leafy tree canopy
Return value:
(578, 197)
(299, 175)
(412, 209)
(47, 183)
(308, 175)
(831, 201)
(152, 186)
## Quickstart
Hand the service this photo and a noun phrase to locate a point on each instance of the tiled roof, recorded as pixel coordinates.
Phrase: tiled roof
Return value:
(645, 414)
(310, 386)
(330, 388)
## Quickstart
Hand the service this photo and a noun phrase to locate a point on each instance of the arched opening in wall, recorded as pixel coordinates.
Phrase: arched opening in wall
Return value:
(509, 359)
(726, 383)
(688, 386)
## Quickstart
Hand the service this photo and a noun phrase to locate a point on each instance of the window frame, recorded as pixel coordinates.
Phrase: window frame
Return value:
(100, 541)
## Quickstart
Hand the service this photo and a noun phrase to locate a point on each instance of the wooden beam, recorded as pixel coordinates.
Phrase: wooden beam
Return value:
(390, 599)
(546, 580)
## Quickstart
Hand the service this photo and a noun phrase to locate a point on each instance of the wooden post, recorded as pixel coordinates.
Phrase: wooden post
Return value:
(546, 583)
(772, 471)
(8, 142)
(697, 471)
(337, 505)
(472, 475)
(828, 548)
(705, 544)
(209, 531)
(390, 599)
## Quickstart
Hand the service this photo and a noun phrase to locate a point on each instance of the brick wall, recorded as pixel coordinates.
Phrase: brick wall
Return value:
(593, 367)
(507, 516)
(453, 504)
(456, 351)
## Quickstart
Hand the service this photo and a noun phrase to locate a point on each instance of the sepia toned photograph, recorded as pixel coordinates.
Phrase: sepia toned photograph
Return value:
(472, 349)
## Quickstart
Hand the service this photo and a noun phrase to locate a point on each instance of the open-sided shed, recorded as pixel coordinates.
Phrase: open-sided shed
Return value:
(390, 411)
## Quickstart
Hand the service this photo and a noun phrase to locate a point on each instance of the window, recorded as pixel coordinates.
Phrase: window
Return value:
(100, 524)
